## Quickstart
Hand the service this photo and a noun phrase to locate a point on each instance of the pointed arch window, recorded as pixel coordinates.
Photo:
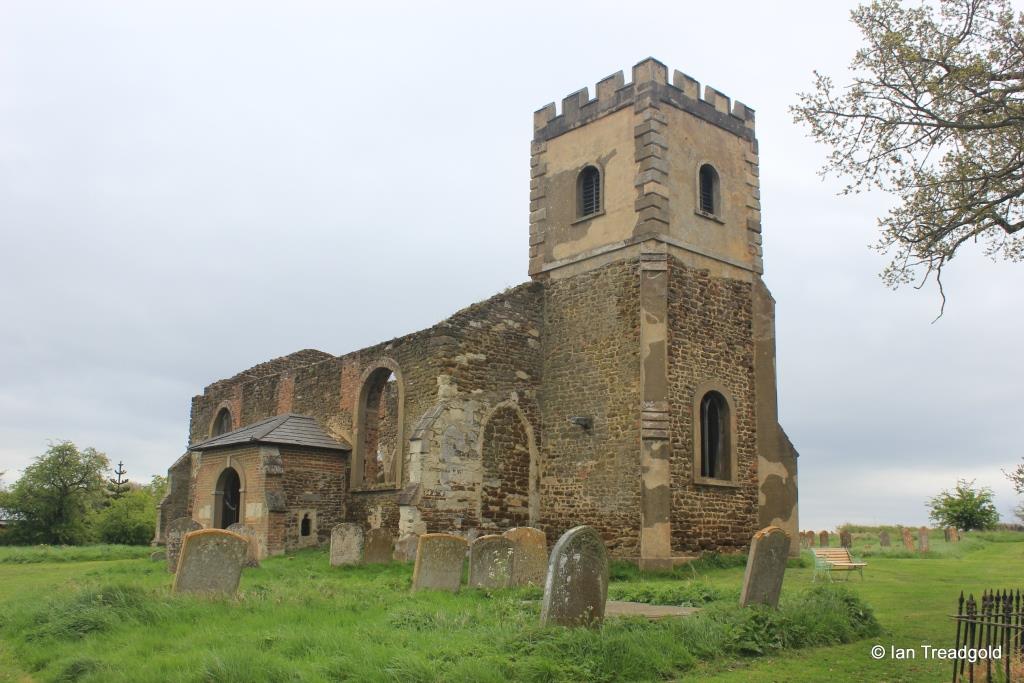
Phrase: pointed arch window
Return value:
(222, 424)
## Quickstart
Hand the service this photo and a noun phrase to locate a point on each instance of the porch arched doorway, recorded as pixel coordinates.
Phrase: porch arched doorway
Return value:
(227, 499)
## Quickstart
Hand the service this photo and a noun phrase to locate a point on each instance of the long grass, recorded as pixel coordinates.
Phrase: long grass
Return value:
(64, 553)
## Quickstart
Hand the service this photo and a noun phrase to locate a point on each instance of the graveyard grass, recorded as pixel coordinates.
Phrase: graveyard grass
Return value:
(296, 619)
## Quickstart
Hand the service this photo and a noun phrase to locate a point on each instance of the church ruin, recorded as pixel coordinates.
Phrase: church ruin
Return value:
(630, 385)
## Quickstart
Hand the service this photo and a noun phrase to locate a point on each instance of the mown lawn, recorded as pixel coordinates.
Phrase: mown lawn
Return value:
(298, 619)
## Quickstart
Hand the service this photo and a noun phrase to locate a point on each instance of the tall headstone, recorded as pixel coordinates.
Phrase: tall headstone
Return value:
(490, 562)
(810, 539)
(346, 544)
(922, 539)
(211, 562)
(439, 560)
(883, 539)
(576, 588)
(255, 543)
(908, 540)
(379, 547)
(824, 539)
(954, 535)
(946, 535)
(766, 566)
(405, 548)
(845, 539)
(529, 555)
(803, 541)
(176, 531)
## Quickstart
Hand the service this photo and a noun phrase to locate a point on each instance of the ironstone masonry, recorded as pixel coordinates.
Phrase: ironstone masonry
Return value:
(629, 386)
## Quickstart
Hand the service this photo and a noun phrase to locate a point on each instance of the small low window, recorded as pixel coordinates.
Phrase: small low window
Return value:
(715, 457)
(304, 528)
(709, 198)
(588, 191)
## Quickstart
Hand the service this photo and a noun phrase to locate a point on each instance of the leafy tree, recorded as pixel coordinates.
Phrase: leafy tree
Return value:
(51, 501)
(935, 116)
(130, 519)
(1016, 477)
(965, 507)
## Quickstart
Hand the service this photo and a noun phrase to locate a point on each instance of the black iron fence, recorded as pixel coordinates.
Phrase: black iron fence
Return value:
(988, 638)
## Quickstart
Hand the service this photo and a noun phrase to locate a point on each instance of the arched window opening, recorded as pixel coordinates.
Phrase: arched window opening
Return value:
(222, 425)
(588, 191)
(380, 428)
(509, 472)
(304, 527)
(714, 434)
(709, 199)
(228, 499)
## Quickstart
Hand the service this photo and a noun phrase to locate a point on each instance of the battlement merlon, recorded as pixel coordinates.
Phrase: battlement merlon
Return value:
(649, 77)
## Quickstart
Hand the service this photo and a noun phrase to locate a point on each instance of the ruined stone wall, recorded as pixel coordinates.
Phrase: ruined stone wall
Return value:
(505, 497)
(591, 367)
(175, 502)
(314, 485)
(711, 339)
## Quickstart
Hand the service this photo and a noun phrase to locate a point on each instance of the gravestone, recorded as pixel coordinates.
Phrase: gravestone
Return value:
(803, 541)
(766, 566)
(883, 539)
(576, 587)
(810, 539)
(211, 562)
(176, 531)
(908, 540)
(346, 544)
(439, 560)
(405, 548)
(845, 539)
(529, 556)
(490, 562)
(379, 547)
(158, 556)
(253, 558)
(922, 539)
(946, 535)
(954, 535)
(824, 539)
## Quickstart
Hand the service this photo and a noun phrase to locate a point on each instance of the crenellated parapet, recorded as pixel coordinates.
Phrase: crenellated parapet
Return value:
(649, 76)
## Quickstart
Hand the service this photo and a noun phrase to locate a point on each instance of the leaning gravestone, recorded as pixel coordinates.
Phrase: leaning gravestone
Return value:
(766, 566)
(908, 540)
(346, 544)
(176, 531)
(439, 560)
(490, 562)
(379, 548)
(576, 588)
(529, 556)
(883, 539)
(824, 539)
(253, 558)
(845, 539)
(211, 562)
(405, 548)
(922, 539)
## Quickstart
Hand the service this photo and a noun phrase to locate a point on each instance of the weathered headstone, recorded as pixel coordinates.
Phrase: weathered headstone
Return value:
(810, 539)
(379, 548)
(908, 540)
(490, 562)
(439, 560)
(883, 539)
(766, 566)
(211, 562)
(946, 535)
(405, 548)
(824, 539)
(922, 539)
(954, 535)
(255, 553)
(158, 556)
(845, 539)
(176, 531)
(529, 555)
(576, 588)
(803, 541)
(346, 544)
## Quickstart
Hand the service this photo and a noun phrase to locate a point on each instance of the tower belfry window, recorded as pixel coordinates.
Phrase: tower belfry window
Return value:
(589, 192)
(708, 177)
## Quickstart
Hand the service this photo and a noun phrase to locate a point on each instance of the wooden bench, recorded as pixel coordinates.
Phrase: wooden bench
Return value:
(828, 560)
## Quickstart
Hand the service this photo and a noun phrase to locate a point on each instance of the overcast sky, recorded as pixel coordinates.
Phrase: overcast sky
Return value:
(190, 188)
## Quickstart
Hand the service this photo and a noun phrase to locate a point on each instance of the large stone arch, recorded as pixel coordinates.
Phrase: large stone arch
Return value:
(510, 469)
(366, 427)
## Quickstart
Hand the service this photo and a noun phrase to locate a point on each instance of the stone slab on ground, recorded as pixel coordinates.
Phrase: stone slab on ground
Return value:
(405, 548)
(620, 608)
(255, 554)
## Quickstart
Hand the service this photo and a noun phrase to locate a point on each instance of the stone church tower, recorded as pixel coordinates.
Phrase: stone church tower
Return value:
(629, 385)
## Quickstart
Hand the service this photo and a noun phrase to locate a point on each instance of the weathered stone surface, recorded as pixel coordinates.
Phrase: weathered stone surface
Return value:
(922, 539)
(529, 556)
(810, 539)
(211, 562)
(576, 588)
(845, 539)
(379, 548)
(252, 559)
(908, 540)
(174, 536)
(490, 562)
(766, 567)
(405, 548)
(954, 534)
(346, 544)
(883, 539)
(158, 556)
(439, 559)
(824, 539)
